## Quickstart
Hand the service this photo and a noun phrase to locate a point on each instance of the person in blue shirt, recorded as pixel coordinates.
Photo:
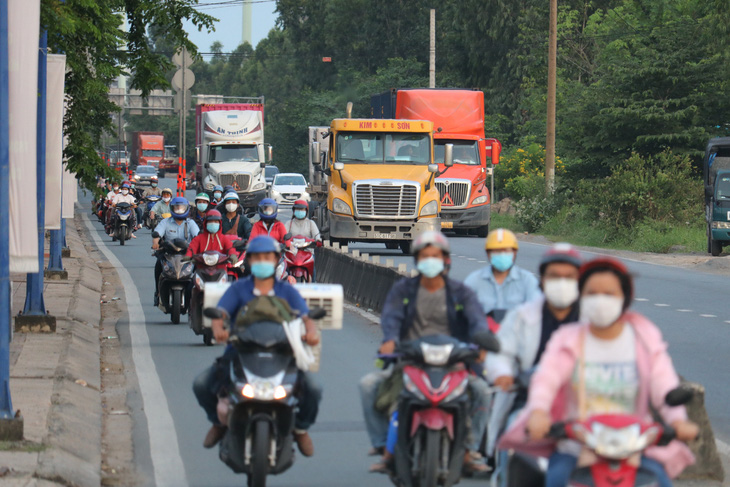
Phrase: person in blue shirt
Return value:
(502, 285)
(263, 254)
(177, 226)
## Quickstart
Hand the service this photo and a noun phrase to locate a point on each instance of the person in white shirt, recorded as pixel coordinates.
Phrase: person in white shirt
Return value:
(301, 224)
(124, 196)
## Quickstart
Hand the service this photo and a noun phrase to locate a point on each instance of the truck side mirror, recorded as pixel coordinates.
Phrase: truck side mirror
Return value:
(270, 153)
(315, 154)
(338, 166)
(496, 150)
(433, 168)
(449, 155)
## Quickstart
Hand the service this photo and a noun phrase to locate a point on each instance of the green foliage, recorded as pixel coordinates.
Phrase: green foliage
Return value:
(521, 171)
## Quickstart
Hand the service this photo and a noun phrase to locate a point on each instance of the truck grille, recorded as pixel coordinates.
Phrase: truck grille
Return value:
(239, 182)
(453, 193)
(386, 201)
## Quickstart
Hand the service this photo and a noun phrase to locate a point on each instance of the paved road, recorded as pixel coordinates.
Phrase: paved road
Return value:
(690, 307)
(169, 425)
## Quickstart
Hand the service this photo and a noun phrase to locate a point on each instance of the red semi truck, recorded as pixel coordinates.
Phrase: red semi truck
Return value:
(147, 148)
(458, 119)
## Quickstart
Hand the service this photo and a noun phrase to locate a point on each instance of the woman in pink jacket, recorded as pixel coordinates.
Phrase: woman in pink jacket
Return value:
(625, 368)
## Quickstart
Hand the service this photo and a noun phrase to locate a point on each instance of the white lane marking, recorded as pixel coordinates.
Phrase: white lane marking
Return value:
(167, 463)
(728, 321)
(641, 299)
(684, 310)
(661, 305)
(482, 261)
(708, 316)
(471, 258)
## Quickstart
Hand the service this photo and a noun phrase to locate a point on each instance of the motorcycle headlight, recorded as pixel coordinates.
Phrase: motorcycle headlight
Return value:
(412, 387)
(259, 186)
(480, 200)
(339, 206)
(187, 268)
(123, 216)
(210, 259)
(430, 208)
(458, 391)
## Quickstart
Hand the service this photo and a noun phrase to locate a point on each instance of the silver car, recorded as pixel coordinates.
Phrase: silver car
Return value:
(144, 174)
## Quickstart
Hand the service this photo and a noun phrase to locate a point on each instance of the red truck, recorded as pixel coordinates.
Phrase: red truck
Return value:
(147, 148)
(458, 119)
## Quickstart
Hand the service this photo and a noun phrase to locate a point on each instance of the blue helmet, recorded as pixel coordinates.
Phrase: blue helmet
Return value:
(268, 209)
(217, 187)
(262, 245)
(180, 208)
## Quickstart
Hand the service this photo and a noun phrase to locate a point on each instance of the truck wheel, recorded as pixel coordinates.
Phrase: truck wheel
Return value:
(482, 231)
(405, 246)
(715, 247)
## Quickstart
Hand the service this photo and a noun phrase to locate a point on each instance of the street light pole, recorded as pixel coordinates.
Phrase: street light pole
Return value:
(551, 94)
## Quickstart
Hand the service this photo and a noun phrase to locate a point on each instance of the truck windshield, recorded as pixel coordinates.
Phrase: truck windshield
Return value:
(464, 152)
(289, 180)
(379, 148)
(222, 153)
(151, 153)
(723, 188)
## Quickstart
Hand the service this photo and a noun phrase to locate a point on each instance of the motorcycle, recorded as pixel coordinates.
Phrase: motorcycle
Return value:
(616, 443)
(240, 269)
(149, 203)
(433, 408)
(122, 229)
(299, 258)
(207, 270)
(177, 273)
(260, 406)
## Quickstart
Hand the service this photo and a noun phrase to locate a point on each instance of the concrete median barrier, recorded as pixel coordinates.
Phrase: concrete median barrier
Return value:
(709, 465)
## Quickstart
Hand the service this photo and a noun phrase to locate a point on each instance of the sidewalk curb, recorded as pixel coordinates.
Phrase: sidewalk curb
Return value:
(73, 456)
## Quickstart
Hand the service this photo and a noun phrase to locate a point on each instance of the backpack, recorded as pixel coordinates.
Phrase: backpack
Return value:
(264, 308)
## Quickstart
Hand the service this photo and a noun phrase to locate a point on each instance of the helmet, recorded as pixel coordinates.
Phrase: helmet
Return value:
(153, 178)
(262, 245)
(561, 252)
(202, 196)
(213, 215)
(268, 209)
(430, 238)
(166, 190)
(228, 189)
(177, 213)
(501, 239)
(231, 196)
(612, 265)
(301, 205)
(217, 188)
(126, 185)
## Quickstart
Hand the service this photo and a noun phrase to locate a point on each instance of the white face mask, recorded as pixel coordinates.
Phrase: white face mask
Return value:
(601, 310)
(166, 199)
(125, 192)
(561, 292)
(231, 207)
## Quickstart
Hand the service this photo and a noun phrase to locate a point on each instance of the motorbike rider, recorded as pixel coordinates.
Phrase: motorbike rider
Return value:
(234, 221)
(114, 190)
(211, 237)
(427, 304)
(124, 196)
(263, 253)
(502, 285)
(268, 224)
(152, 190)
(137, 193)
(613, 360)
(177, 226)
(217, 195)
(526, 330)
(300, 224)
(162, 206)
(202, 205)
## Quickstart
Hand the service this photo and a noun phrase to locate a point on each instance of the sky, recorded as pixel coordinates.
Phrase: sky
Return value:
(228, 28)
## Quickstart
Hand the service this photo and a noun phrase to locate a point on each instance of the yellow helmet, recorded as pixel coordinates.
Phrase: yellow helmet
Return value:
(167, 190)
(501, 239)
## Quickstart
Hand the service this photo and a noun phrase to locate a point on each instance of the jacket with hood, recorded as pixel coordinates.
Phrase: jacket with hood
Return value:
(210, 241)
(551, 387)
(277, 230)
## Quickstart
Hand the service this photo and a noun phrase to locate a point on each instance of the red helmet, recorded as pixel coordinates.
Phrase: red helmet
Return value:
(300, 205)
(213, 215)
(610, 264)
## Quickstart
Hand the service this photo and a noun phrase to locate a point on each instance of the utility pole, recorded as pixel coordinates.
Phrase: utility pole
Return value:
(432, 52)
(551, 93)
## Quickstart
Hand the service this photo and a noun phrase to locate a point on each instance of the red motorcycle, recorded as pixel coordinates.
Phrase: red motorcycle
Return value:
(433, 409)
(615, 443)
(299, 259)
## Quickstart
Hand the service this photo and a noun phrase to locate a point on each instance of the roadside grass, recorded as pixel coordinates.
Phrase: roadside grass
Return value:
(22, 446)
(657, 237)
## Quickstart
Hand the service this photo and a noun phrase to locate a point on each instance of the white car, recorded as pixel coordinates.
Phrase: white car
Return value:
(289, 187)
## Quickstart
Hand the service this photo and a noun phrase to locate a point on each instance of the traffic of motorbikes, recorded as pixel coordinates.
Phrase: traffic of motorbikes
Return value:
(437, 411)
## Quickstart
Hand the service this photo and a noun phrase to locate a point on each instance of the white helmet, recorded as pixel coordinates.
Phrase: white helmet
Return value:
(431, 237)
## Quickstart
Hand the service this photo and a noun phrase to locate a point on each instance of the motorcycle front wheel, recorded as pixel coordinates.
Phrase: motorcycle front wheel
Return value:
(176, 305)
(260, 455)
(122, 235)
(429, 467)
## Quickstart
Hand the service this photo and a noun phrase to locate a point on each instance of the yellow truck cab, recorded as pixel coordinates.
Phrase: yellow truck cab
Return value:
(380, 180)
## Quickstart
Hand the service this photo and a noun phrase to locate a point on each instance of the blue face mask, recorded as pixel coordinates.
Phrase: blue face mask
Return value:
(300, 214)
(217, 195)
(262, 270)
(212, 227)
(430, 267)
(502, 261)
(202, 206)
(154, 185)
